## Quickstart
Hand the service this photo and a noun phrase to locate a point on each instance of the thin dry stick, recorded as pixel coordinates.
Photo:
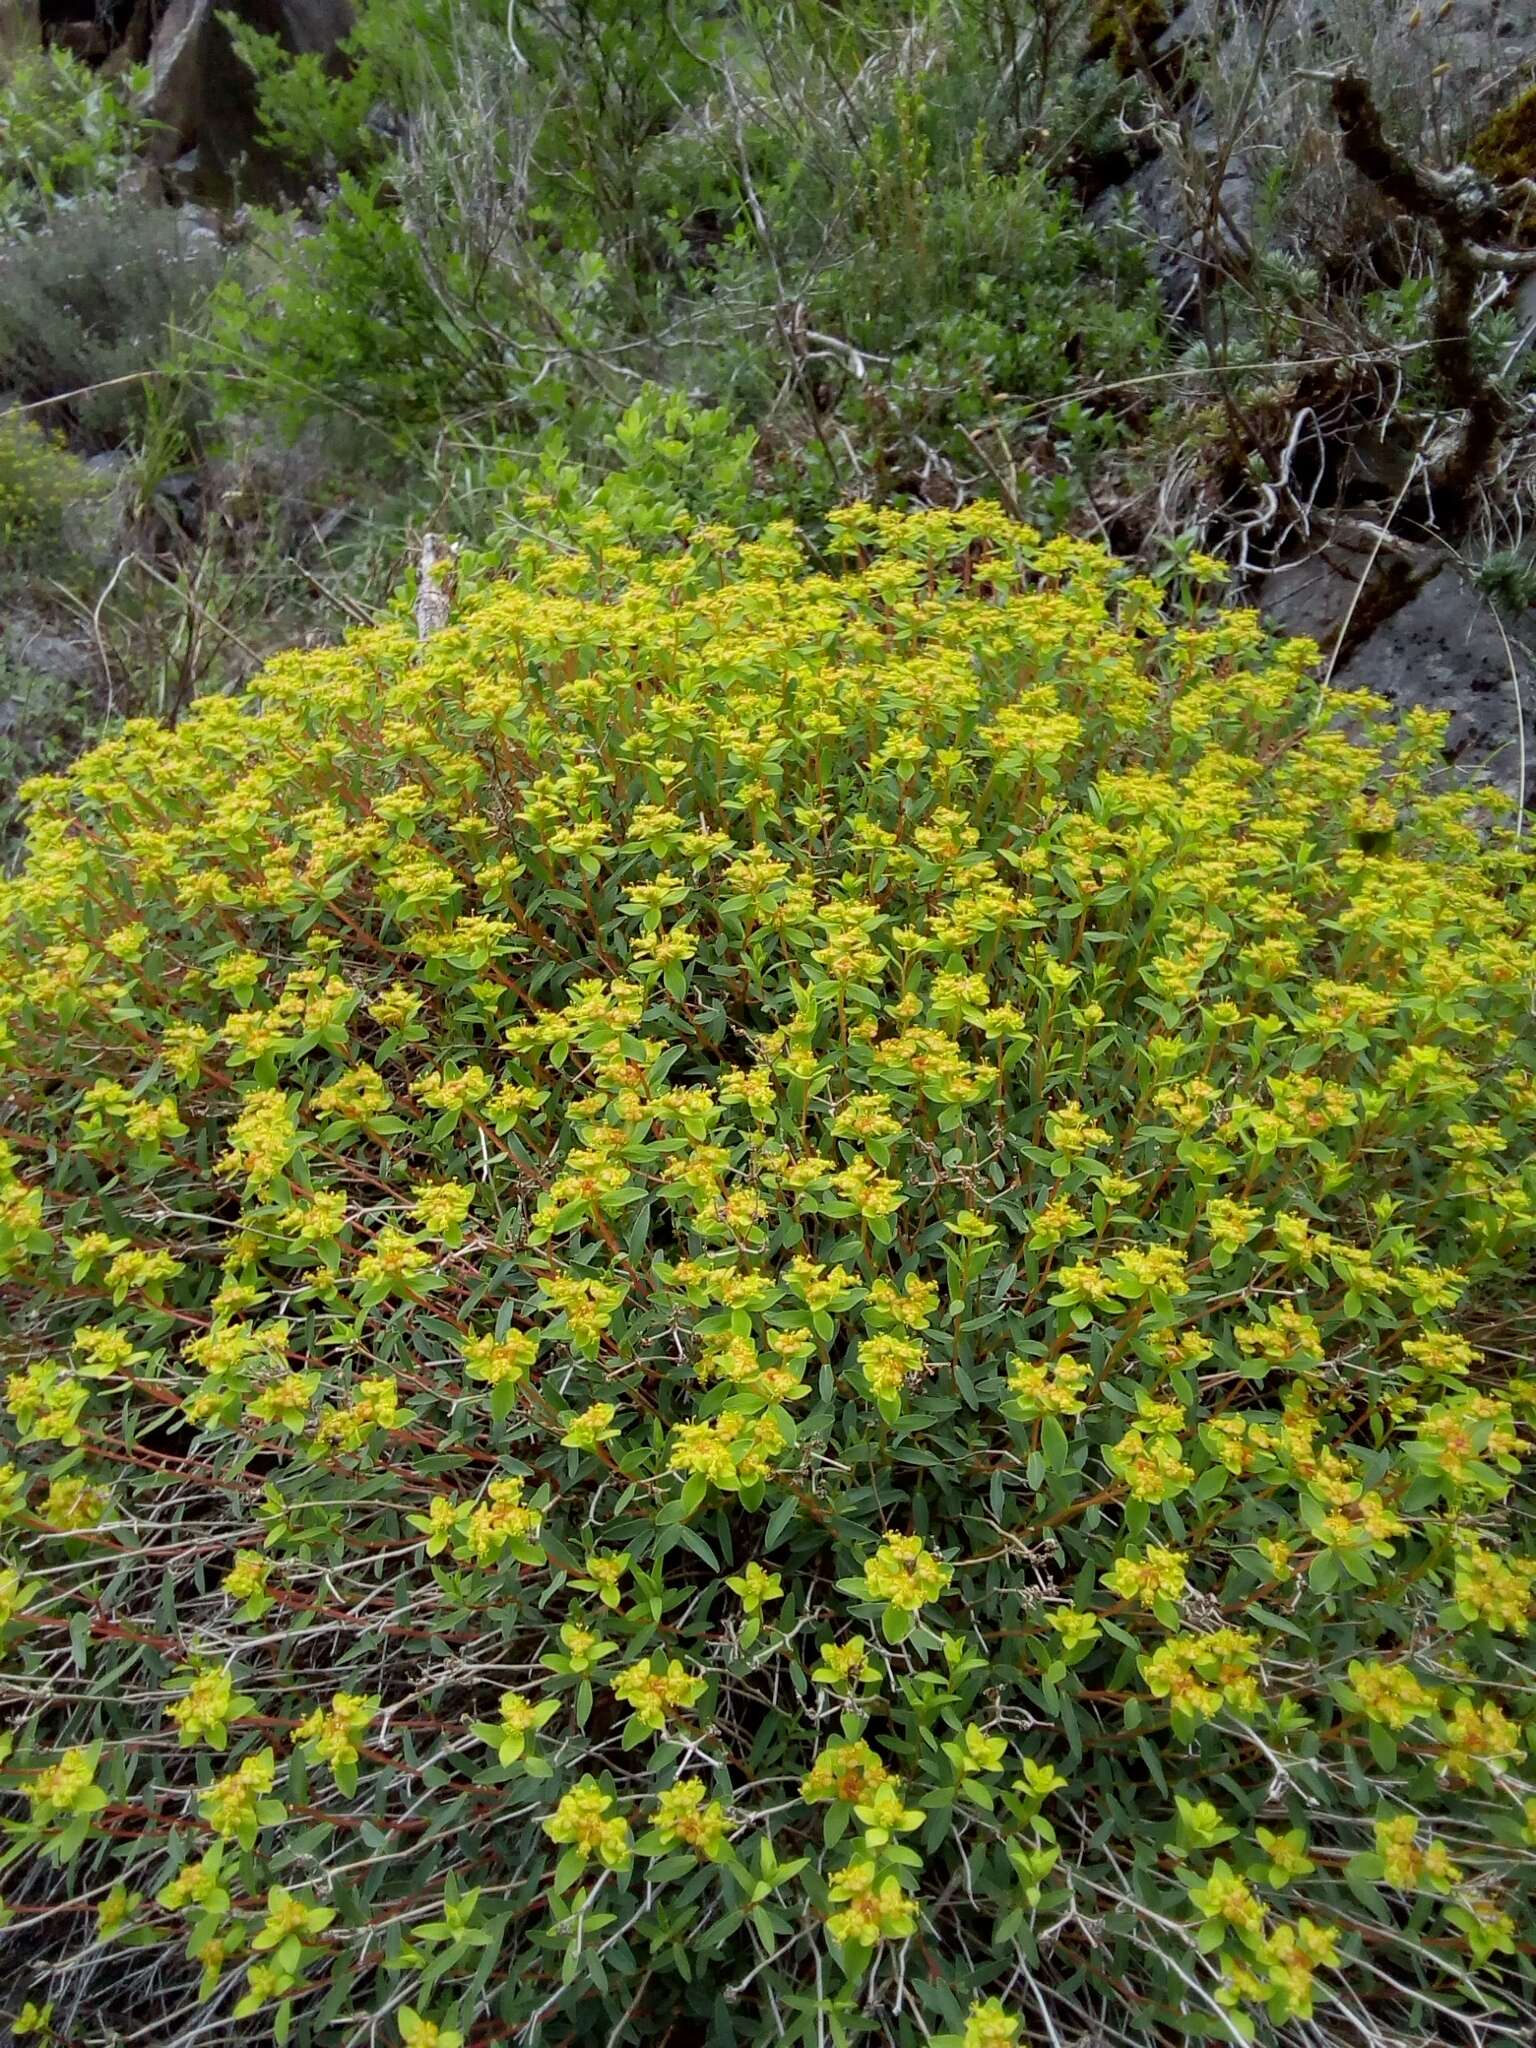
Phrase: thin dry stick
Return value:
(1514, 678)
(434, 601)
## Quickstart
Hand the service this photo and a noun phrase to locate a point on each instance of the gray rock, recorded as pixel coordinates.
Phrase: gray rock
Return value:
(1440, 649)
(201, 96)
(1318, 594)
(1444, 651)
(40, 650)
(1419, 635)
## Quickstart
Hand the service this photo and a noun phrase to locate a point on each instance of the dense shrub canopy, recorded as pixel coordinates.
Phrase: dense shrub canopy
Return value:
(753, 1305)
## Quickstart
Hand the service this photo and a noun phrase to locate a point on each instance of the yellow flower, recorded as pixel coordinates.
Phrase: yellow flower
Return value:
(849, 1772)
(1152, 1464)
(905, 1574)
(1198, 1675)
(1391, 1694)
(237, 1803)
(208, 1705)
(684, 1813)
(1074, 1627)
(1048, 1386)
(888, 1363)
(732, 1451)
(500, 1361)
(755, 1587)
(358, 1097)
(989, 2024)
(593, 1426)
(655, 1696)
(247, 1576)
(1156, 1574)
(1493, 1589)
(68, 1786)
(844, 1667)
(1227, 1897)
(440, 1207)
(333, 1735)
(871, 1909)
(1479, 1736)
(587, 1821)
(868, 1193)
(263, 1138)
(1287, 1854)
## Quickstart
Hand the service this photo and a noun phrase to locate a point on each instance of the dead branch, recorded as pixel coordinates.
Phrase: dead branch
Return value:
(1468, 217)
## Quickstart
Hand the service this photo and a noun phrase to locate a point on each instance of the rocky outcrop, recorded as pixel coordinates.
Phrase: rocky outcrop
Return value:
(201, 96)
(1404, 622)
(97, 29)
(1446, 650)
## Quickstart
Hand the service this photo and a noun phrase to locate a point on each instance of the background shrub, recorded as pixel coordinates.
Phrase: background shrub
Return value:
(753, 1305)
(40, 483)
(818, 219)
(1116, 276)
(90, 305)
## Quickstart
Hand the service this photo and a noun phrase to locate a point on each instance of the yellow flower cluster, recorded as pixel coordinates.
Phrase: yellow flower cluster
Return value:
(731, 1451)
(685, 1813)
(1497, 1590)
(655, 1696)
(500, 1361)
(1158, 1574)
(333, 1734)
(233, 1804)
(869, 1908)
(850, 1772)
(206, 1708)
(1199, 1675)
(68, 1786)
(906, 1574)
(586, 1821)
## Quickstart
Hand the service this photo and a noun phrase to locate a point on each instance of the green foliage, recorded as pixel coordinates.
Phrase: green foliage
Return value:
(772, 1306)
(313, 111)
(870, 276)
(620, 258)
(91, 303)
(349, 321)
(66, 134)
(40, 480)
(660, 469)
(1509, 577)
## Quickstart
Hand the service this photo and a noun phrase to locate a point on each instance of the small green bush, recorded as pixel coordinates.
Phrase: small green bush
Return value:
(656, 471)
(748, 1306)
(40, 481)
(65, 135)
(90, 303)
(345, 319)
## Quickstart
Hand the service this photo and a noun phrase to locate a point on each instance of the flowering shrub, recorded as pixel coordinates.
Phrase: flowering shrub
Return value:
(755, 1305)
